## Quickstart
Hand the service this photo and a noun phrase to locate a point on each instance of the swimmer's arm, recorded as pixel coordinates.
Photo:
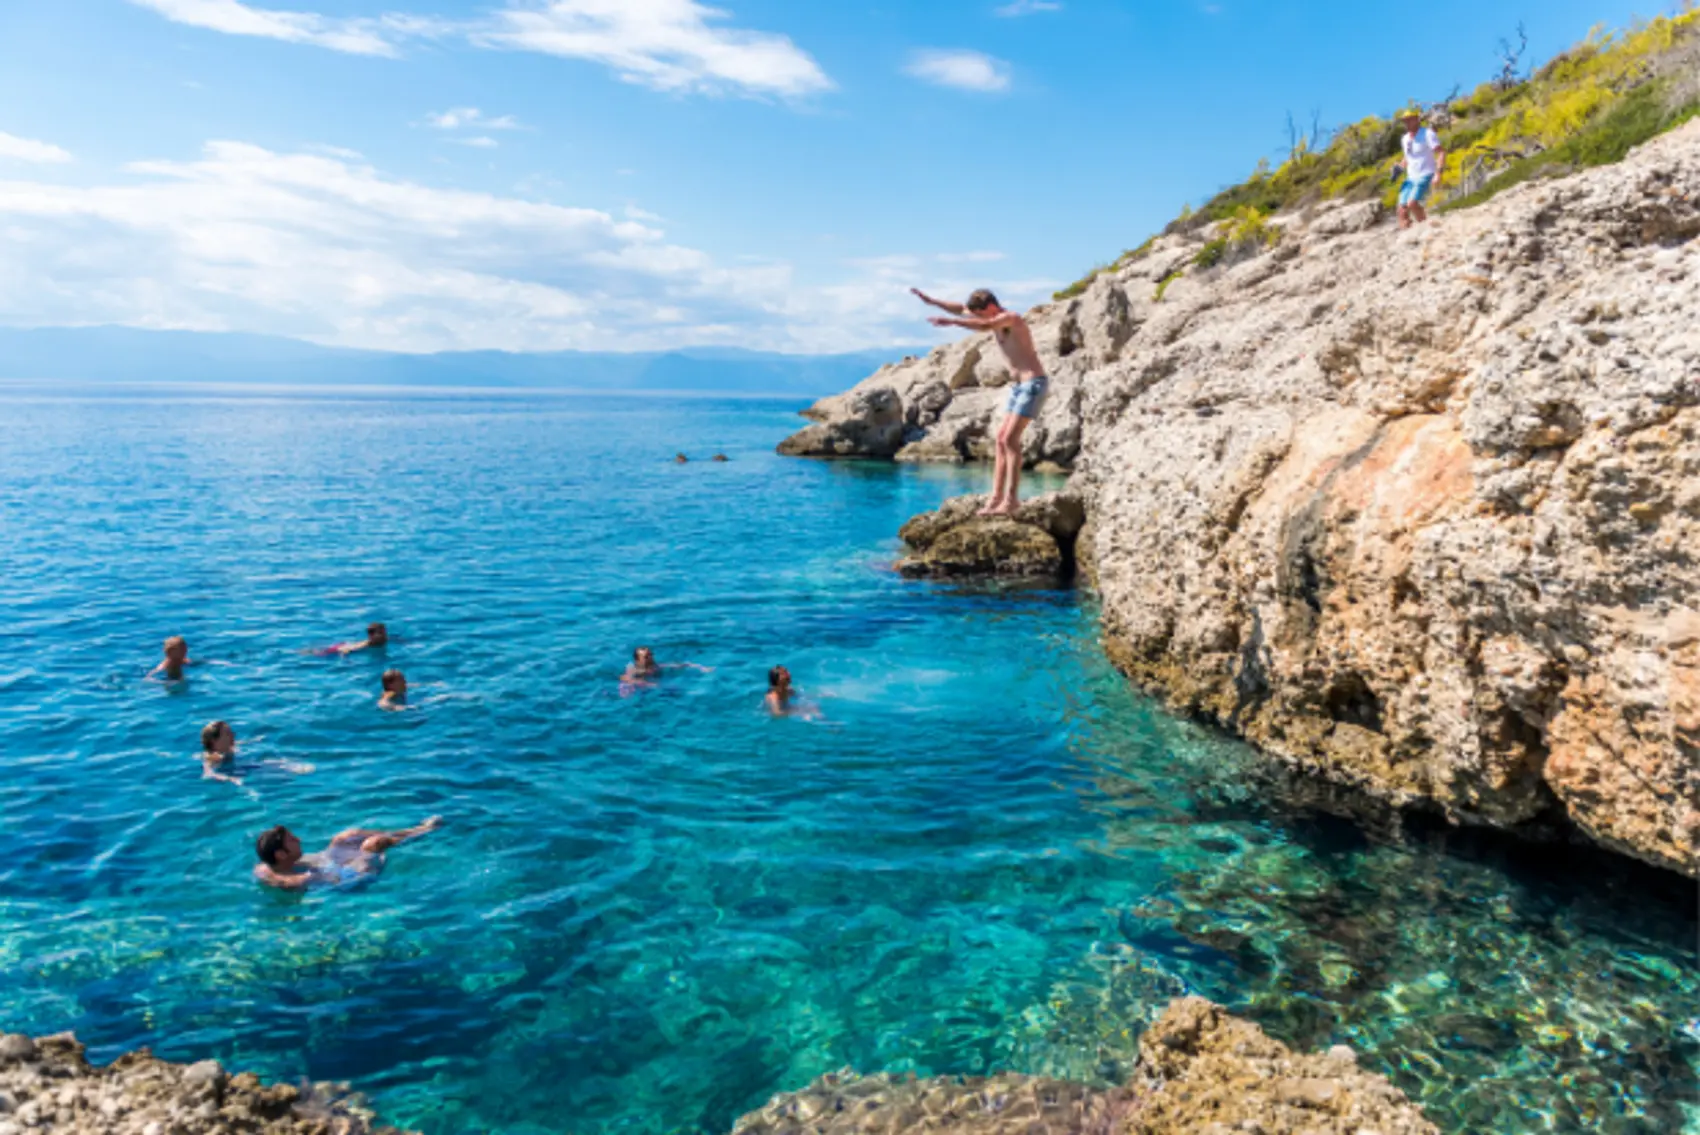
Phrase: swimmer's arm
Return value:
(687, 666)
(975, 323)
(209, 771)
(282, 882)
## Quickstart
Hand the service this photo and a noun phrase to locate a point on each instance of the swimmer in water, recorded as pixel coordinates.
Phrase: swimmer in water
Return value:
(176, 658)
(218, 752)
(395, 690)
(782, 700)
(645, 670)
(218, 755)
(377, 637)
(354, 856)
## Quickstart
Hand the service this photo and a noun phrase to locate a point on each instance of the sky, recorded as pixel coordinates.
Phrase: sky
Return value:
(423, 175)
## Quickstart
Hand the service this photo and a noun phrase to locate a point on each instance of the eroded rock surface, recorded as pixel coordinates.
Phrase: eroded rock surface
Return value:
(1201, 1072)
(954, 541)
(1437, 534)
(47, 1085)
(1418, 512)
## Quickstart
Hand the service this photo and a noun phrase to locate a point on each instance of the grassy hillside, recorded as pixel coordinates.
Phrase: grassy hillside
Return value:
(1587, 107)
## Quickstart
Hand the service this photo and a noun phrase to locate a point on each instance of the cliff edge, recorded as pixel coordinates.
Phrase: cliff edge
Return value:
(1417, 511)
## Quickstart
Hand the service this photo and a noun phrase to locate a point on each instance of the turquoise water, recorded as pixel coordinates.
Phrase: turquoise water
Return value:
(649, 913)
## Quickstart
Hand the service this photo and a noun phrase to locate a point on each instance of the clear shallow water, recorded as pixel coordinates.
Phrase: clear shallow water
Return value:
(648, 914)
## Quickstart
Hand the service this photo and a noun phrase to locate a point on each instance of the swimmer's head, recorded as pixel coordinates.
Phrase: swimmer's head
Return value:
(377, 634)
(394, 683)
(644, 657)
(278, 847)
(779, 678)
(218, 737)
(176, 648)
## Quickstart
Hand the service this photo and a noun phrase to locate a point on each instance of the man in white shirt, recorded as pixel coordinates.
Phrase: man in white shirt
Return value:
(1424, 159)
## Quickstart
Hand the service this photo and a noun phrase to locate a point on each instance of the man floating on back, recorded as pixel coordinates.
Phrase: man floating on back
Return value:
(1026, 397)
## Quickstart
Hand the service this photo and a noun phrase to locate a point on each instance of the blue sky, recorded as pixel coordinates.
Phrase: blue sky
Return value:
(636, 174)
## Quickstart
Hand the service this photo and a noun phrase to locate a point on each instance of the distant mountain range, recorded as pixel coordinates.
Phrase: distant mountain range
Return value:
(125, 354)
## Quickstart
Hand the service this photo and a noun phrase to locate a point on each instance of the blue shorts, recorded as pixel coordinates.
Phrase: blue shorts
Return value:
(1026, 398)
(1415, 192)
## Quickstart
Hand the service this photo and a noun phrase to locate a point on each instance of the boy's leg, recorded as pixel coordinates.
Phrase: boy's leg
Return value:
(996, 503)
(1014, 426)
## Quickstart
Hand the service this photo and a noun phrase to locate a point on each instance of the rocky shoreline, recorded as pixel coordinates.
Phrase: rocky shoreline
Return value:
(47, 1084)
(1200, 1072)
(1412, 512)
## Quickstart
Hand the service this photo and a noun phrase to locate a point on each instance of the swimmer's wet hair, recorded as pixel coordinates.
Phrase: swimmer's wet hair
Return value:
(391, 676)
(209, 734)
(642, 650)
(773, 677)
(270, 844)
(981, 300)
(176, 640)
(377, 628)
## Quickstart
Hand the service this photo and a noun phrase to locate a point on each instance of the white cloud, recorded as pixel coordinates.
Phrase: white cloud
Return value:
(670, 45)
(479, 142)
(633, 213)
(19, 149)
(327, 248)
(962, 69)
(380, 35)
(471, 117)
(1027, 8)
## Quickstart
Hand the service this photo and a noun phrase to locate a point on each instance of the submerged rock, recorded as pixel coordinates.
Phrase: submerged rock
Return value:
(48, 1085)
(1415, 512)
(954, 541)
(1201, 1072)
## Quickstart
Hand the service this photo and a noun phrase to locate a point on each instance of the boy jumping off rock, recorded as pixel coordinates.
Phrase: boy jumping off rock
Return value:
(1026, 397)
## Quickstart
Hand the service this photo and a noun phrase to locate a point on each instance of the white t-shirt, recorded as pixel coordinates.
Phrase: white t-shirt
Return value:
(1419, 153)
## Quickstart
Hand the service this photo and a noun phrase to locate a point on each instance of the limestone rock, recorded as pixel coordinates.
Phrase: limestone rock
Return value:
(1413, 511)
(989, 546)
(1201, 1072)
(953, 540)
(53, 1087)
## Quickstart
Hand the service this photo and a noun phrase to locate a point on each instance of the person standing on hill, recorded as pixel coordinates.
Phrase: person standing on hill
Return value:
(1425, 157)
(1026, 397)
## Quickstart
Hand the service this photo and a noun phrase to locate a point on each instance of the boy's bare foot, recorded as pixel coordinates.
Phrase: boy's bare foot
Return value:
(994, 507)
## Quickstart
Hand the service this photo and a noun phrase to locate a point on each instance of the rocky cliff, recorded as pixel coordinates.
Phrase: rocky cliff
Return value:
(1417, 511)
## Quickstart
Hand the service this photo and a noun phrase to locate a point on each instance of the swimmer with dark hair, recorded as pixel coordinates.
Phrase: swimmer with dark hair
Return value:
(644, 671)
(782, 700)
(377, 637)
(176, 658)
(218, 752)
(354, 856)
(218, 755)
(395, 690)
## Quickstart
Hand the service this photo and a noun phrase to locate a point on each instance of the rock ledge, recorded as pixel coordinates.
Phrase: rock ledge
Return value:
(46, 1084)
(1200, 1072)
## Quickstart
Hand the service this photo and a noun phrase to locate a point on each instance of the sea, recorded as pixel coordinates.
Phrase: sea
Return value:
(649, 910)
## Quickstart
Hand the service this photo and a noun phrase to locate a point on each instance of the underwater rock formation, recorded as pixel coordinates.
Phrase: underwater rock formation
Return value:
(1414, 511)
(1201, 1072)
(47, 1085)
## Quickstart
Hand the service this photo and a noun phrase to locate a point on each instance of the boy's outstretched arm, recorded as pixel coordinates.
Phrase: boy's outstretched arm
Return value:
(973, 322)
(947, 305)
